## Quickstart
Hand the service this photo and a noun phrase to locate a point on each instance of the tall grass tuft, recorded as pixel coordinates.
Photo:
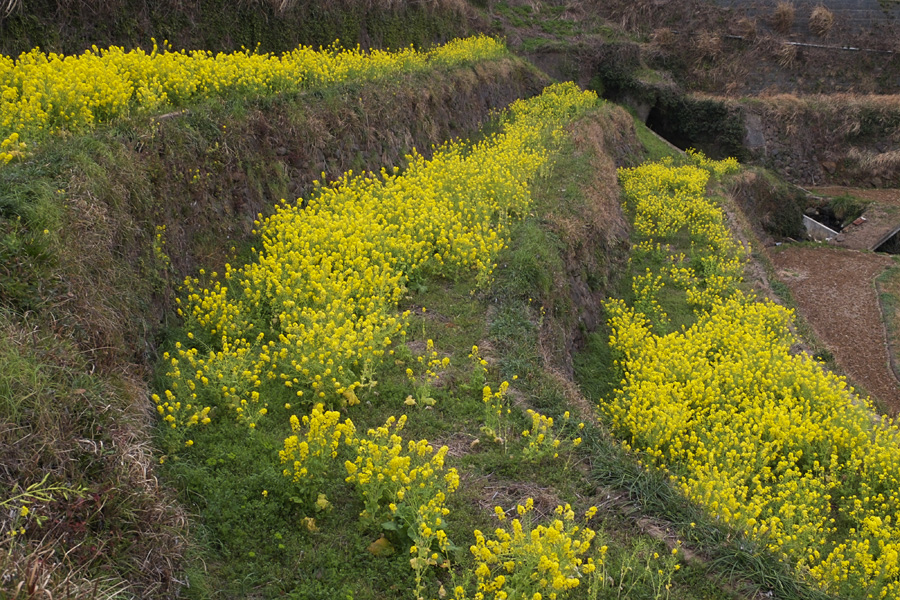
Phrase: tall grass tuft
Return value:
(783, 16)
(787, 55)
(821, 21)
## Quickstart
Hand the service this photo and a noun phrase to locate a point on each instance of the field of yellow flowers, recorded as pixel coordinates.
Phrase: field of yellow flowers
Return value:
(42, 93)
(313, 426)
(761, 435)
(314, 320)
(317, 312)
(312, 323)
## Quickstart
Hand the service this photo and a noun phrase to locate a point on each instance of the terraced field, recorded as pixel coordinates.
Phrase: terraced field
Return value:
(375, 398)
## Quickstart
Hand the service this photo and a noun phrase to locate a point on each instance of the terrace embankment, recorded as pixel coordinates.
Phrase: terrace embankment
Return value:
(207, 173)
(219, 25)
(85, 302)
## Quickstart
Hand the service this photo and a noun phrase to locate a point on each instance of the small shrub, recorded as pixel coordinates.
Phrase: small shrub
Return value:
(821, 20)
(708, 45)
(665, 38)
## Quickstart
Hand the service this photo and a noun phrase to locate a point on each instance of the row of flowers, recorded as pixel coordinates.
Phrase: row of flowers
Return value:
(316, 313)
(43, 93)
(761, 435)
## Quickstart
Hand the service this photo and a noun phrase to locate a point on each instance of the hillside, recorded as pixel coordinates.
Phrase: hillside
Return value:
(421, 323)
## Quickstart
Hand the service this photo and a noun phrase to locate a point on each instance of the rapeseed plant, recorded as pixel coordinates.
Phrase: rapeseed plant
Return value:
(309, 455)
(405, 490)
(524, 560)
(496, 414)
(431, 364)
(317, 311)
(543, 440)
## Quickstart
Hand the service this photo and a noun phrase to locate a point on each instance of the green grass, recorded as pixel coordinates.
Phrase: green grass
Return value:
(655, 147)
(87, 305)
(847, 208)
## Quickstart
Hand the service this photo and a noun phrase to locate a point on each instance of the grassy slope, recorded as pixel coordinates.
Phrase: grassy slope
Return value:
(566, 255)
(543, 302)
(738, 562)
(554, 256)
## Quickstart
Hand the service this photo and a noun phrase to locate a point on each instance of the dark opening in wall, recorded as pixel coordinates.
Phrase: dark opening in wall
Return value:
(826, 216)
(705, 124)
(891, 245)
(659, 120)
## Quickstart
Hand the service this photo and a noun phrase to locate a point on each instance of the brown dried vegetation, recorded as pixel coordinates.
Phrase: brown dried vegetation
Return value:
(783, 16)
(821, 21)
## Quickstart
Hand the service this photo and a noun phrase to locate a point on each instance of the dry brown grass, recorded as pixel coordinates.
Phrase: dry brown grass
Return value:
(708, 46)
(860, 132)
(8, 6)
(782, 19)
(575, 11)
(875, 164)
(746, 27)
(786, 55)
(104, 528)
(821, 21)
(34, 571)
(458, 6)
(664, 38)
(843, 115)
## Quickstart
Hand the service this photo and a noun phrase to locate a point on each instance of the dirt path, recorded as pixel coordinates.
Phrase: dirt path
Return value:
(835, 292)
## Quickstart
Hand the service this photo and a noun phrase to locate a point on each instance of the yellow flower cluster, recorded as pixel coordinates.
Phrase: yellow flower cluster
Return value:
(318, 308)
(11, 148)
(667, 201)
(523, 561)
(496, 413)
(763, 437)
(44, 93)
(391, 476)
(405, 490)
(718, 167)
(646, 290)
(542, 440)
(310, 453)
(178, 416)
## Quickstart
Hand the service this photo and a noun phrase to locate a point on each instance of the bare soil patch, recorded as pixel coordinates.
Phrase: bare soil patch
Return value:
(835, 292)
